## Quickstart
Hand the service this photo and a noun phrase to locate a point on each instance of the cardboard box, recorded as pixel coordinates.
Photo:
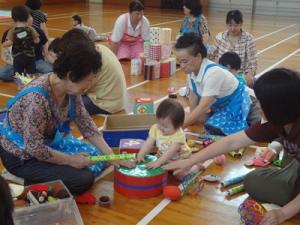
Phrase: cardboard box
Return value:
(62, 211)
(130, 145)
(135, 126)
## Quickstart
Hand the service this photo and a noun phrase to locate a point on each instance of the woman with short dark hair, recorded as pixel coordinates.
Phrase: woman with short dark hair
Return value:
(216, 99)
(36, 143)
(278, 93)
(194, 20)
(235, 39)
(130, 31)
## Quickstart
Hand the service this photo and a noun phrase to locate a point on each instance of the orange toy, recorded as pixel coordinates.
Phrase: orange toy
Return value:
(172, 192)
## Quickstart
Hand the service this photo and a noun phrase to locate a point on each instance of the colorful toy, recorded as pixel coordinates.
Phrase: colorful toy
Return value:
(205, 143)
(140, 182)
(130, 145)
(172, 192)
(234, 180)
(237, 153)
(143, 105)
(264, 157)
(101, 158)
(23, 79)
(191, 184)
(86, 198)
(251, 212)
(211, 178)
(220, 160)
(277, 162)
(236, 190)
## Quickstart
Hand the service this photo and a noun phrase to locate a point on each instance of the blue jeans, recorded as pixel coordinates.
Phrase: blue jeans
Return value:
(7, 72)
(43, 67)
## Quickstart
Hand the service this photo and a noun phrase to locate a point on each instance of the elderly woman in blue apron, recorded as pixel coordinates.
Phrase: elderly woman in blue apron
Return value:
(130, 31)
(36, 143)
(217, 98)
(194, 21)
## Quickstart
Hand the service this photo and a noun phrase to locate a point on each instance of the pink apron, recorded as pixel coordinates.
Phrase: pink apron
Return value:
(130, 47)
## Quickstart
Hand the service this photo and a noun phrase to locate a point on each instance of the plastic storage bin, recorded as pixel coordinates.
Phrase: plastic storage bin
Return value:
(61, 212)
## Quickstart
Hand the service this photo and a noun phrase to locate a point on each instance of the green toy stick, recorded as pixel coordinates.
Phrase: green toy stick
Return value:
(101, 158)
(236, 190)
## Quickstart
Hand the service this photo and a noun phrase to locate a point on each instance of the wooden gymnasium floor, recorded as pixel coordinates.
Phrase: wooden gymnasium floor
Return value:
(278, 44)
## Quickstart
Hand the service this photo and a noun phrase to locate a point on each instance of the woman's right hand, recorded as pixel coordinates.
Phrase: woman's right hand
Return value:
(178, 166)
(80, 160)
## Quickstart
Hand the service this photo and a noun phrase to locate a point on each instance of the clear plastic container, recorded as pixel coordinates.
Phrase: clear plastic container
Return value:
(60, 212)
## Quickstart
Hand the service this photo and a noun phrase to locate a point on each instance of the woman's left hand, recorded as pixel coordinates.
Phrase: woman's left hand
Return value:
(273, 217)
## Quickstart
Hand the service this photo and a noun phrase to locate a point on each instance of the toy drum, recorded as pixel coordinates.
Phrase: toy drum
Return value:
(140, 182)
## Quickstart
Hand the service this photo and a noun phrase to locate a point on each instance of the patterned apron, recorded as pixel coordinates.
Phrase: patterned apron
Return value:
(229, 113)
(63, 140)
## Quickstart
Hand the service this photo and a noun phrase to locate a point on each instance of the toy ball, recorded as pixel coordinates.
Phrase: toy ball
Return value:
(220, 160)
(251, 212)
(172, 192)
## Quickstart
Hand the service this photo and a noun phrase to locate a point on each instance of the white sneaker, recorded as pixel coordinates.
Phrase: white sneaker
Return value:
(8, 176)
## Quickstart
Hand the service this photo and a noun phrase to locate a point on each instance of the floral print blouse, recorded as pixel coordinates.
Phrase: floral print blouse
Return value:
(36, 117)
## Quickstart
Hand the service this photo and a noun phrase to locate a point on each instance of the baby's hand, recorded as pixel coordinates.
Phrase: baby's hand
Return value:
(153, 165)
(140, 157)
(127, 163)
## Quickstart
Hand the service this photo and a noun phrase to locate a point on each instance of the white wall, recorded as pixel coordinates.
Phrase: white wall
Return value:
(259, 7)
(95, 1)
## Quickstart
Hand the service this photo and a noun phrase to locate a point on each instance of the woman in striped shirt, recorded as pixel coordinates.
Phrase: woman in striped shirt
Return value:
(39, 18)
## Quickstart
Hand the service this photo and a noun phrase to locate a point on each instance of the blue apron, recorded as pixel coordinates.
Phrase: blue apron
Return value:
(63, 140)
(229, 112)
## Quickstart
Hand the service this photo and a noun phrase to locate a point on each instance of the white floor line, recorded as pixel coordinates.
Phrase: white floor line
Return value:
(5, 95)
(278, 43)
(138, 84)
(157, 209)
(274, 32)
(278, 62)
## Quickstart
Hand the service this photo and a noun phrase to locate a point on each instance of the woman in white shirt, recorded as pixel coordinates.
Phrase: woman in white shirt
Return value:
(130, 31)
(217, 98)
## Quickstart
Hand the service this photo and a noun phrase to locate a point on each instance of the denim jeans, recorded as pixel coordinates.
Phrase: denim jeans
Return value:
(43, 67)
(7, 71)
